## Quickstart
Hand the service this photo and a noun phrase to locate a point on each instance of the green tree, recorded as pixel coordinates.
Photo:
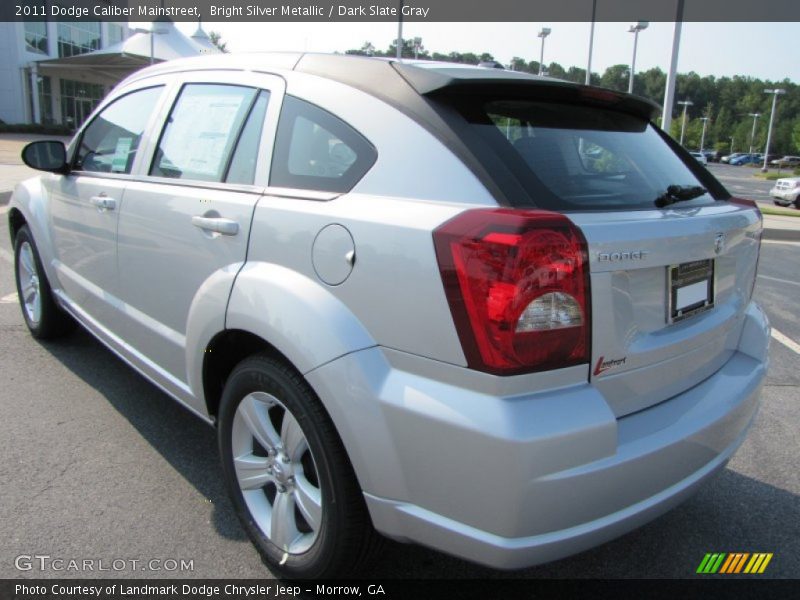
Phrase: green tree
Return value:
(796, 135)
(616, 78)
(216, 38)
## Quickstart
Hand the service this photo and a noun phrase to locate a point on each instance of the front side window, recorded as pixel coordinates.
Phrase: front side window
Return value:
(315, 150)
(202, 129)
(109, 143)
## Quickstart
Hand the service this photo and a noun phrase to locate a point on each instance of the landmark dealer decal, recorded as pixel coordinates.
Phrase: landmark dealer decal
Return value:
(604, 365)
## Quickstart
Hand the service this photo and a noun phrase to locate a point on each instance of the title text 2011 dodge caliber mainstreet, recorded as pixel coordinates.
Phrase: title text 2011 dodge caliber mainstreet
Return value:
(499, 315)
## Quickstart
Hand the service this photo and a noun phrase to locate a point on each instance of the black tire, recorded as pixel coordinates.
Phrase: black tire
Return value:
(52, 322)
(345, 541)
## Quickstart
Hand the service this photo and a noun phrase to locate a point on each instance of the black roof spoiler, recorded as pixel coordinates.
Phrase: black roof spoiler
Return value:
(458, 80)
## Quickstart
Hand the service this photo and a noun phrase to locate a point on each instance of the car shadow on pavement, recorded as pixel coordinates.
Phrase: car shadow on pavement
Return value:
(187, 443)
(731, 512)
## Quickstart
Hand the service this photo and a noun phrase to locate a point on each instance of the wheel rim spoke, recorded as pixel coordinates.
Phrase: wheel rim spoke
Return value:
(252, 471)
(256, 416)
(28, 293)
(283, 528)
(292, 438)
(309, 501)
(26, 260)
(281, 494)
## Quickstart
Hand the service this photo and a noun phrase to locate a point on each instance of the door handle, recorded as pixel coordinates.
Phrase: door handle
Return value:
(103, 202)
(216, 225)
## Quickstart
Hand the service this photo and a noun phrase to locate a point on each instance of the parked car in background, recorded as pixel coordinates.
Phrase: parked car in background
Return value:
(786, 192)
(713, 155)
(533, 333)
(700, 157)
(746, 159)
(727, 158)
(786, 161)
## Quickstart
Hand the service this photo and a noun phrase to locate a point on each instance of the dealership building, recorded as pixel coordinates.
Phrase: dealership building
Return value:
(55, 73)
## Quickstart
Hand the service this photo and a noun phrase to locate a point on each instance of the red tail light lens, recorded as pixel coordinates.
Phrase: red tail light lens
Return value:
(518, 287)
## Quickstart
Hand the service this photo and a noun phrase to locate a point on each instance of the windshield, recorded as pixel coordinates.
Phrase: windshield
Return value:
(579, 157)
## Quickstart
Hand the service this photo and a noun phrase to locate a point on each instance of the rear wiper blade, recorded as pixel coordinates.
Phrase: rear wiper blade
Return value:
(679, 193)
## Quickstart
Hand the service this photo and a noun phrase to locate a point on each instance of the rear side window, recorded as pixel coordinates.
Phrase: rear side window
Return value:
(315, 150)
(578, 157)
(109, 143)
(198, 140)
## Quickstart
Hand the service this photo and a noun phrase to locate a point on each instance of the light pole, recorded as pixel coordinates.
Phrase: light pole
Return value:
(669, 91)
(703, 135)
(775, 93)
(686, 103)
(400, 32)
(417, 46)
(543, 34)
(591, 44)
(635, 29)
(753, 133)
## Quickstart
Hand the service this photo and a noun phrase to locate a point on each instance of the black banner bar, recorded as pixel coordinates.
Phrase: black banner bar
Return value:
(392, 10)
(706, 587)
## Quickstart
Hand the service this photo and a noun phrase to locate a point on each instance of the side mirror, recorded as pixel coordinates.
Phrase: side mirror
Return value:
(46, 156)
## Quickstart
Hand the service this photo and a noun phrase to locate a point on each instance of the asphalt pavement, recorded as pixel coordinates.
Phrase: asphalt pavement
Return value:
(740, 181)
(99, 464)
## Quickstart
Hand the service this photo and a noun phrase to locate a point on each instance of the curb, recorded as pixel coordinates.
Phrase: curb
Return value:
(781, 235)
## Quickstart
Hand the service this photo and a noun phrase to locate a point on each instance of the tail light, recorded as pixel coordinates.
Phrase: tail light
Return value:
(518, 287)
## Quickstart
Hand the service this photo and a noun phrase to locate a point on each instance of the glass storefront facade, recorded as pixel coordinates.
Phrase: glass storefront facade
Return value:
(77, 37)
(36, 36)
(116, 33)
(78, 99)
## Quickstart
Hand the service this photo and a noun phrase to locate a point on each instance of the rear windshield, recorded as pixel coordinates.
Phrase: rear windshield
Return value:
(576, 157)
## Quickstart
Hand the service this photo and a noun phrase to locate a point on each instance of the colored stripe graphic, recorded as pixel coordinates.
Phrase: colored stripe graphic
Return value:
(734, 563)
(758, 563)
(711, 563)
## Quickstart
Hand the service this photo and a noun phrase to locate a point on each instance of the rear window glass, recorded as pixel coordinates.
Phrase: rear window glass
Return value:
(577, 157)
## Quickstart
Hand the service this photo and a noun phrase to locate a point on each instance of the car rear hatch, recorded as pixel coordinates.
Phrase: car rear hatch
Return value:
(672, 259)
(669, 289)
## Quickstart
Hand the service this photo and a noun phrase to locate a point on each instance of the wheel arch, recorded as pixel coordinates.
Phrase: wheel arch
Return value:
(270, 309)
(16, 220)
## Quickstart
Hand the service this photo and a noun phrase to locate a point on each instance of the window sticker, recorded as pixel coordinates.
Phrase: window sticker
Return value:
(119, 162)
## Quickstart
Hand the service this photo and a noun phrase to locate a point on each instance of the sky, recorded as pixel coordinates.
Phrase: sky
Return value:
(763, 50)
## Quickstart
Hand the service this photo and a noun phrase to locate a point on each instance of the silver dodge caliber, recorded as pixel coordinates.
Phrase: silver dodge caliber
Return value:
(499, 315)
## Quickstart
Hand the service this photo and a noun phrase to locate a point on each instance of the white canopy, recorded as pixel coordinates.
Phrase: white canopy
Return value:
(112, 64)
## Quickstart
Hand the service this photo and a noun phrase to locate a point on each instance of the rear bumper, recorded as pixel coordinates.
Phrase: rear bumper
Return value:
(519, 479)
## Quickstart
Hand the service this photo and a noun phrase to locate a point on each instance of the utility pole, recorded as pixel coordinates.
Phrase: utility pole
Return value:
(775, 93)
(543, 34)
(635, 29)
(669, 93)
(753, 133)
(591, 44)
(400, 32)
(683, 125)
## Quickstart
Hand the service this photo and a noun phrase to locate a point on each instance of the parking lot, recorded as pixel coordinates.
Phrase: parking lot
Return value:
(99, 464)
(740, 181)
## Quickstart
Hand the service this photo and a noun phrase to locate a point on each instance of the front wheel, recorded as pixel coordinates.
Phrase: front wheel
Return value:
(42, 315)
(291, 482)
